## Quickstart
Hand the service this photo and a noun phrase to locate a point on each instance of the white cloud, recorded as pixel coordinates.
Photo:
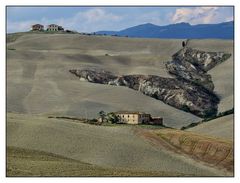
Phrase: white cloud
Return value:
(199, 15)
(97, 14)
(91, 20)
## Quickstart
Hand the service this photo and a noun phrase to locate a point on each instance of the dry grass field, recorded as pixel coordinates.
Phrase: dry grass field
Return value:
(39, 85)
(216, 152)
(25, 162)
(39, 82)
(221, 127)
(103, 146)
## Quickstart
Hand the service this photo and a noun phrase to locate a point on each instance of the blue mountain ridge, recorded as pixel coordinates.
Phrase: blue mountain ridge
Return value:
(182, 30)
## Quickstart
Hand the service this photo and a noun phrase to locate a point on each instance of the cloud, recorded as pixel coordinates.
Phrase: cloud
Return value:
(202, 15)
(91, 20)
(97, 14)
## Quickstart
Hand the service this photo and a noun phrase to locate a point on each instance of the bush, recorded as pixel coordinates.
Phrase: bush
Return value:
(112, 118)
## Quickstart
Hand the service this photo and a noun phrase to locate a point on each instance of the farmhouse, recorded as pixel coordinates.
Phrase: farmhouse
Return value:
(137, 118)
(54, 27)
(37, 27)
(132, 117)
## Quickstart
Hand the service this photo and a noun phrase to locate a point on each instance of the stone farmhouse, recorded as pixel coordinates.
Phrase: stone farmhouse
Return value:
(37, 27)
(129, 117)
(54, 27)
(51, 27)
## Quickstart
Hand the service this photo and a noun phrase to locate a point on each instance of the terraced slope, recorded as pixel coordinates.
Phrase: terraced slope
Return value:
(107, 147)
(39, 82)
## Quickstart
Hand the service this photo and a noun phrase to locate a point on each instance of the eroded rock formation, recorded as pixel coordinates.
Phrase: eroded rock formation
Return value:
(191, 90)
(192, 65)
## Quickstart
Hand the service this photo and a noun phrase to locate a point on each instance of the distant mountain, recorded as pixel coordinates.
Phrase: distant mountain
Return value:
(182, 30)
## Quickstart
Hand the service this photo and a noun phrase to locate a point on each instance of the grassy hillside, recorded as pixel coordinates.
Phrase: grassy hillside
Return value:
(38, 81)
(25, 162)
(221, 127)
(104, 146)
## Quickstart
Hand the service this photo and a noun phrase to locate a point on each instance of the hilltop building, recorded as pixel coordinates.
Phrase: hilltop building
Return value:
(54, 27)
(37, 27)
(129, 117)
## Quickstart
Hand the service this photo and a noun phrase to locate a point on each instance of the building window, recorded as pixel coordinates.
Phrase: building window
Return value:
(128, 116)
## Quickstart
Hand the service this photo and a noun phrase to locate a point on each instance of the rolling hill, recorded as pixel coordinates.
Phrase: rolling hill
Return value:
(40, 85)
(39, 82)
(27, 162)
(108, 147)
(221, 127)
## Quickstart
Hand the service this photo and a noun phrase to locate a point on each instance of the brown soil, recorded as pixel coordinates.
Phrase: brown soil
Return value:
(214, 152)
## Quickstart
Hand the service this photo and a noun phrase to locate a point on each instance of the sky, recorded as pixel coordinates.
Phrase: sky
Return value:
(91, 19)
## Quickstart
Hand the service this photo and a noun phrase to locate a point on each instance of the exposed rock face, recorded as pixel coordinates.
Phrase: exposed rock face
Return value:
(201, 59)
(191, 91)
(178, 93)
(192, 65)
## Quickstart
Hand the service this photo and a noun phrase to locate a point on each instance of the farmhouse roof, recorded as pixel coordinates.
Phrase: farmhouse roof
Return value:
(129, 112)
(37, 25)
(53, 25)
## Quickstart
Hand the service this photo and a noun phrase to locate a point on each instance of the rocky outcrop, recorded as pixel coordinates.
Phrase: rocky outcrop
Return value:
(191, 90)
(200, 59)
(192, 65)
(175, 92)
